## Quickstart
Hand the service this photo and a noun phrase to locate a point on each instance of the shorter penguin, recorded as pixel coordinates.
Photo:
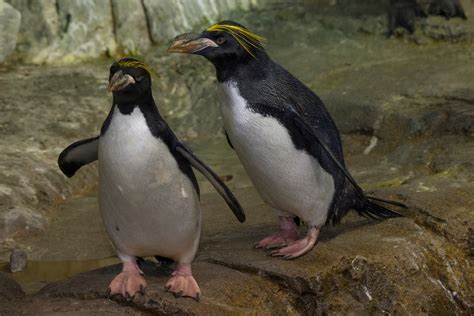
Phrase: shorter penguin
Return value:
(148, 194)
(447, 8)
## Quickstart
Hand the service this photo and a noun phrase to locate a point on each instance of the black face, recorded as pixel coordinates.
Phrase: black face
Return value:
(128, 81)
(227, 47)
(225, 41)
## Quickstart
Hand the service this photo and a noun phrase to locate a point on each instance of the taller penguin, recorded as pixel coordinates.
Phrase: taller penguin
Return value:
(282, 134)
(148, 195)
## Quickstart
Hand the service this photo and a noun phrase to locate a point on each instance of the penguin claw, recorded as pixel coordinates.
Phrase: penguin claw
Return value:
(286, 235)
(275, 253)
(107, 292)
(299, 247)
(183, 284)
(128, 282)
(274, 246)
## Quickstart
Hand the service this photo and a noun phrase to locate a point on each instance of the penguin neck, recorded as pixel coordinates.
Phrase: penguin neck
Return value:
(246, 68)
(145, 103)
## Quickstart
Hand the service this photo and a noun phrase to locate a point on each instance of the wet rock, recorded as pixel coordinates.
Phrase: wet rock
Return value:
(35, 306)
(357, 267)
(224, 290)
(10, 20)
(131, 28)
(20, 220)
(10, 290)
(18, 260)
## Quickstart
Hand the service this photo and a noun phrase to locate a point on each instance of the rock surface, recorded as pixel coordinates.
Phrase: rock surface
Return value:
(131, 26)
(397, 266)
(10, 20)
(72, 31)
(10, 290)
(168, 19)
(65, 32)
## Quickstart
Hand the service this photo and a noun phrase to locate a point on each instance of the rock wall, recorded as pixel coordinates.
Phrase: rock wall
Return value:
(9, 25)
(67, 31)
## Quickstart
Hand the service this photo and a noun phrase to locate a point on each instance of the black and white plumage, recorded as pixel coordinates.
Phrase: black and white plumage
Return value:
(282, 134)
(148, 194)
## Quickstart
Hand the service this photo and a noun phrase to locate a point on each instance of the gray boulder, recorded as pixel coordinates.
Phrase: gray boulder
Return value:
(10, 20)
(131, 29)
(18, 260)
(65, 31)
(170, 18)
(68, 31)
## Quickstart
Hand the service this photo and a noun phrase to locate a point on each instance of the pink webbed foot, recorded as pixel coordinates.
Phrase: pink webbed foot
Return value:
(128, 282)
(182, 282)
(287, 234)
(299, 247)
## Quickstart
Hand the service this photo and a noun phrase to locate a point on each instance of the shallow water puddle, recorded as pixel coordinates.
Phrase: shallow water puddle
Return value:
(48, 271)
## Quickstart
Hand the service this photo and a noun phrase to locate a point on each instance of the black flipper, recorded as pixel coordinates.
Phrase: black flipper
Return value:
(214, 179)
(78, 154)
(366, 207)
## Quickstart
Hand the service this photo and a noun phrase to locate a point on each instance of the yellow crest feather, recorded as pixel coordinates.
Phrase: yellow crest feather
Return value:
(244, 37)
(137, 64)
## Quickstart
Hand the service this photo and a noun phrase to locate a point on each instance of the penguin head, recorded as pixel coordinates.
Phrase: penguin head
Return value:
(129, 80)
(226, 44)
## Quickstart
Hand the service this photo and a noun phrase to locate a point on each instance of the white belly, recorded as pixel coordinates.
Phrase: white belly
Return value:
(148, 205)
(288, 179)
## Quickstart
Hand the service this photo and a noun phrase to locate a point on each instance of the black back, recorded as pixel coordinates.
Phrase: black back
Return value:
(275, 92)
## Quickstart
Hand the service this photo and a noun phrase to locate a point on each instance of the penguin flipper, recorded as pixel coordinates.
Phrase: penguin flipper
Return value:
(214, 179)
(77, 155)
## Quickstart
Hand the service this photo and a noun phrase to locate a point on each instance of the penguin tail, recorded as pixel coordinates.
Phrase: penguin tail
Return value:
(372, 208)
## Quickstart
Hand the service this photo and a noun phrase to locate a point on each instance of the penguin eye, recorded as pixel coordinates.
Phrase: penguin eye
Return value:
(220, 41)
(139, 78)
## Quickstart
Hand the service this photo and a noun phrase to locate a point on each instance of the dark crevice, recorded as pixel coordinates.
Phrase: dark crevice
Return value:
(435, 225)
(299, 288)
(114, 22)
(458, 99)
(67, 23)
(148, 22)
